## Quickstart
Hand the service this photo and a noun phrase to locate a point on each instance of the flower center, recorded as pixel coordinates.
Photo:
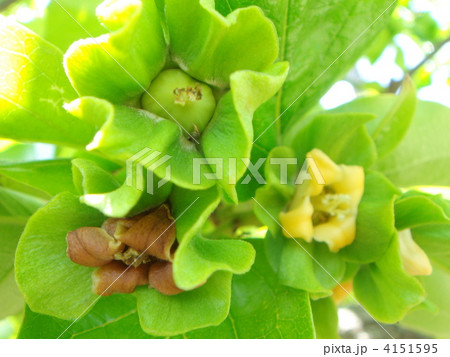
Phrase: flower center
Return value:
(330, 204)
(133, 257)
(176, 96)
(188, 94)
(333, 204)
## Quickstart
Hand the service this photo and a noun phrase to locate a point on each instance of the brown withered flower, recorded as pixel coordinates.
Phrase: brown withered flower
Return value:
(129, 252)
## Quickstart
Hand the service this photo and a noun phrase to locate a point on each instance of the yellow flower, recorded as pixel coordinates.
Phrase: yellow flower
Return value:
(326, 212)
(415, 261)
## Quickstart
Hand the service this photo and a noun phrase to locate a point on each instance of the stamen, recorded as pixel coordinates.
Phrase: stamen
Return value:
(188, 94)
(132, 257)
(338, 204)
(330, 205)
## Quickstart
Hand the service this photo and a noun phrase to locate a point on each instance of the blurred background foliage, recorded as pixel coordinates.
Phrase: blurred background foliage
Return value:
(416, 42)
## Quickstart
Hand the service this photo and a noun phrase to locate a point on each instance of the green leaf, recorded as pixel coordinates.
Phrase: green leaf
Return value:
(434, 239)
(343, 137)
(89, 177)
(325, 318)
(229, 135)
(321, 43)
(33, 89)
(422, 158)
(15, 209)
(218, 46)
(380, 42)
(71, 153)
(263, 308)
(120, 65)
(112, 317)
(272, 170)
(198, 258)
(415, 209)
(51, 283)
(269, 202)
(246, 190)
(296, 267)
(20, 152)
(394, 114)
(307, 266)
(163, 315)
(17, 205)
(102, 191)
(50, 176)
(12, 299)
(185, 155)
(329, 267)
(385, 289)
(191, 209)
(69, 20)
(126, 200)
(375, 220)
(266, 135)
(120, 128)
(431, 323)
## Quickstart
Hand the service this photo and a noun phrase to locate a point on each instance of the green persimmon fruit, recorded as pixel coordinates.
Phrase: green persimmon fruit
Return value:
(176, 96)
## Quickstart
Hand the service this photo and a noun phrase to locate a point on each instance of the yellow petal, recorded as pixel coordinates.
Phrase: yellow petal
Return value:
(415, 261)
(328, 169)
(297, 223)
(351, 183)
(337, 233)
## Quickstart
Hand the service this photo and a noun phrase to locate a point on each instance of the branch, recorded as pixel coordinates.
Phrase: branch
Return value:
(393, 86)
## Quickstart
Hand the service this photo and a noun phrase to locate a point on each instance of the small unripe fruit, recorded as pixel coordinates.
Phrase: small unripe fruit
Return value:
(176, 96)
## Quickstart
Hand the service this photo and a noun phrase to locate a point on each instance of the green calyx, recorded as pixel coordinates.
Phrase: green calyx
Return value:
(176, 96)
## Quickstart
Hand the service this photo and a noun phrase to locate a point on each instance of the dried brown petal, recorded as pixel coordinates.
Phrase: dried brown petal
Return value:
(118, 226)
(153, 234)
(110, 226)
(160, 277)
(91, 246)
(116, 277)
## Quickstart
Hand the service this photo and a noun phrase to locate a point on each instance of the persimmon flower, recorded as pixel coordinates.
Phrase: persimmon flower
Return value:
(326, 212)
(415, 261)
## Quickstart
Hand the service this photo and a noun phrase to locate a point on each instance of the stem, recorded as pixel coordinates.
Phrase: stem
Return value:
(394, 85)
